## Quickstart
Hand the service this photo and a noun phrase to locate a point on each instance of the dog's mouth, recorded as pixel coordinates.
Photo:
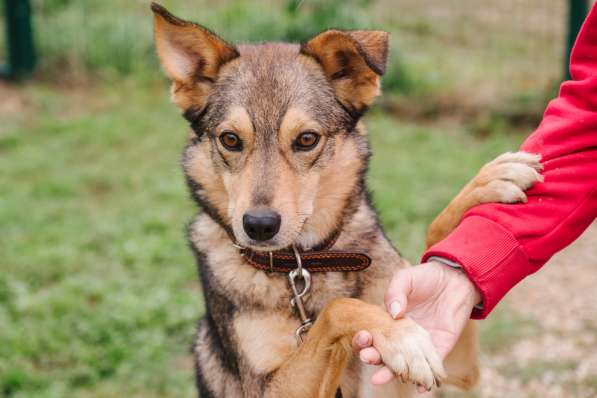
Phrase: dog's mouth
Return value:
(264, 230)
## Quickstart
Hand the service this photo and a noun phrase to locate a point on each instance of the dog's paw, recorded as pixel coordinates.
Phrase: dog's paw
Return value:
(505, 178)
(407, 349)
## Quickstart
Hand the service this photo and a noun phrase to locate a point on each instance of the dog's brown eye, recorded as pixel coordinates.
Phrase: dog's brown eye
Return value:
(306, 141)
(231, 141)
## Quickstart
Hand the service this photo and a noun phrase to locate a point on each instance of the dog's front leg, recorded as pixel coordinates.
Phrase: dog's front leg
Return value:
(503, 180)
(314, 370)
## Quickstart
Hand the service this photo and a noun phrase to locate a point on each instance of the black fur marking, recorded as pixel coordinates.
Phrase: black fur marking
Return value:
(217, 306)
(221, 154)
(371, 203)
(194, 189)
(200, 380)
(379, 69)
(344, 59)
(317, 158)
(341, 74)
(195, 119)
(201, 384)
(354, 115)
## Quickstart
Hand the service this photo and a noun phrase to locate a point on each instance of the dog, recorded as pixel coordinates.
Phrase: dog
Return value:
(292, 258)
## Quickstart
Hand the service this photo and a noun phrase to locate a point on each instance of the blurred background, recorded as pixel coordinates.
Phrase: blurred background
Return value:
(98, 292)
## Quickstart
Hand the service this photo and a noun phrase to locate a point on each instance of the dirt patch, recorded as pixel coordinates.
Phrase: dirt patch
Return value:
(12, 100)
(22, 103)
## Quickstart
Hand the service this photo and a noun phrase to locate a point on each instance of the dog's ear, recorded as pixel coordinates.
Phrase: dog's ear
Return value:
(352, 62)
(191, 56)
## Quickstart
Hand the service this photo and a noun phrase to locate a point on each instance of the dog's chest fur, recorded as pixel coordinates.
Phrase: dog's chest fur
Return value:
(250, 311)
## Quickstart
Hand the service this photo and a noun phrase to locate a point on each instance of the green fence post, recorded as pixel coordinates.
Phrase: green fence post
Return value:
(577, 11)
(19, 35)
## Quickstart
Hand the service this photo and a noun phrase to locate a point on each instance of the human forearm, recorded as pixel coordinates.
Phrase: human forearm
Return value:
(498, 245)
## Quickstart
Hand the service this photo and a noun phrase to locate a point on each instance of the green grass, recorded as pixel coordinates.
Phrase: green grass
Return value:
(114, 38)
(417, 169)
(98, 291)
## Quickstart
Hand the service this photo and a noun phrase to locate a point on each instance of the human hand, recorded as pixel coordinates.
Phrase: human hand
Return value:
(438, 297)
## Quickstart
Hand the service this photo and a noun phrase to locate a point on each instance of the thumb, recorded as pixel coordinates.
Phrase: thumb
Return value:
(400, 287)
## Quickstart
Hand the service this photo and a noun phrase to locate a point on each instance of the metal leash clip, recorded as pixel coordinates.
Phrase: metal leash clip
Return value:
(296, 301)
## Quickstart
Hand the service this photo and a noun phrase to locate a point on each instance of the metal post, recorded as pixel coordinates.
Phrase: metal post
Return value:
(577, 11)
(19, 35)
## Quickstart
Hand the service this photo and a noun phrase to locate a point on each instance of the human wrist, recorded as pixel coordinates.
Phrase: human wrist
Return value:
(458, 281)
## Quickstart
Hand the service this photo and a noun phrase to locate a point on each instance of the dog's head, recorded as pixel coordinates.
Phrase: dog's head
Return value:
(276, 155)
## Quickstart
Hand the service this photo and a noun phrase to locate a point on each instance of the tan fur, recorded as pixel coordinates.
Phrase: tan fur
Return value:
(504, 180)
(266, 354)
(201, 169)
(351, 56)
(335, 185)
(268, 94)
(342, 318)
(225, 384)
(239, 121)
(320, 361)
(189, 54)
(294, 122)
(462, 364)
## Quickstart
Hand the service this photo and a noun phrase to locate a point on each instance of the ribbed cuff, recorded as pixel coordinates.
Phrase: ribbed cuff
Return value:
(452, 264)
(489, 254)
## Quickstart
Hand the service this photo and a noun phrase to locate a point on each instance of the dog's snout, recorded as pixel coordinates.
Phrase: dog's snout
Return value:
(261, 224)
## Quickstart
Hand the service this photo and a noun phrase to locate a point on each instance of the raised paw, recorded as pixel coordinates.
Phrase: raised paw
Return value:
(406, 348)
(505, 178)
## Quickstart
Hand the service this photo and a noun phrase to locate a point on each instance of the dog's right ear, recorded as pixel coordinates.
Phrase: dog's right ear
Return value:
(191, 56)
(352, 61)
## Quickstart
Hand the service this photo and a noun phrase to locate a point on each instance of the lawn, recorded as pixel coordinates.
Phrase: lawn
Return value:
(98, 291)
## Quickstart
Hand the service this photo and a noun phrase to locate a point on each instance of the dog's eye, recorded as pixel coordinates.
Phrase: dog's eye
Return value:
(231, 141)
(306, 140)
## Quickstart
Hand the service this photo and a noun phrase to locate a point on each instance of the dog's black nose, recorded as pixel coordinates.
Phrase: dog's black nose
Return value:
(261, 224)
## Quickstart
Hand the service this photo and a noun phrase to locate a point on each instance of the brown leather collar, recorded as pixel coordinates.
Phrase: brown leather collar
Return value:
(322, 259)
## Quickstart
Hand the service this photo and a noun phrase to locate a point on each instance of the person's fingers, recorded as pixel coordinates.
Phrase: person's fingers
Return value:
(362, 339)
(382, 376)
(370, 355)
(400, 287)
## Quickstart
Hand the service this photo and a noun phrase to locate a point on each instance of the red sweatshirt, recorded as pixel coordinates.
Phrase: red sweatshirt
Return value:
(498, 245)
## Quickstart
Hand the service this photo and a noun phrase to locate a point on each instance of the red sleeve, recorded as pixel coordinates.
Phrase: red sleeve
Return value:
(499, 245)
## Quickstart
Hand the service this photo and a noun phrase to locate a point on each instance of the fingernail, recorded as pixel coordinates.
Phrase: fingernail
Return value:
(395, 308)
(362, 339)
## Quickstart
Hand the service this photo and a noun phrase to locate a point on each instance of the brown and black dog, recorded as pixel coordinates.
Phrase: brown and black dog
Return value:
(277, 159)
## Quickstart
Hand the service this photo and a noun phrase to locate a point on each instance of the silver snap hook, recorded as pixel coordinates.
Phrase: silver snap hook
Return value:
(297, 256)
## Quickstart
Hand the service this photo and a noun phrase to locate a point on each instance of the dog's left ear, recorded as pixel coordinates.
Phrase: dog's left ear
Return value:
(191, 56)
(352, 61)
